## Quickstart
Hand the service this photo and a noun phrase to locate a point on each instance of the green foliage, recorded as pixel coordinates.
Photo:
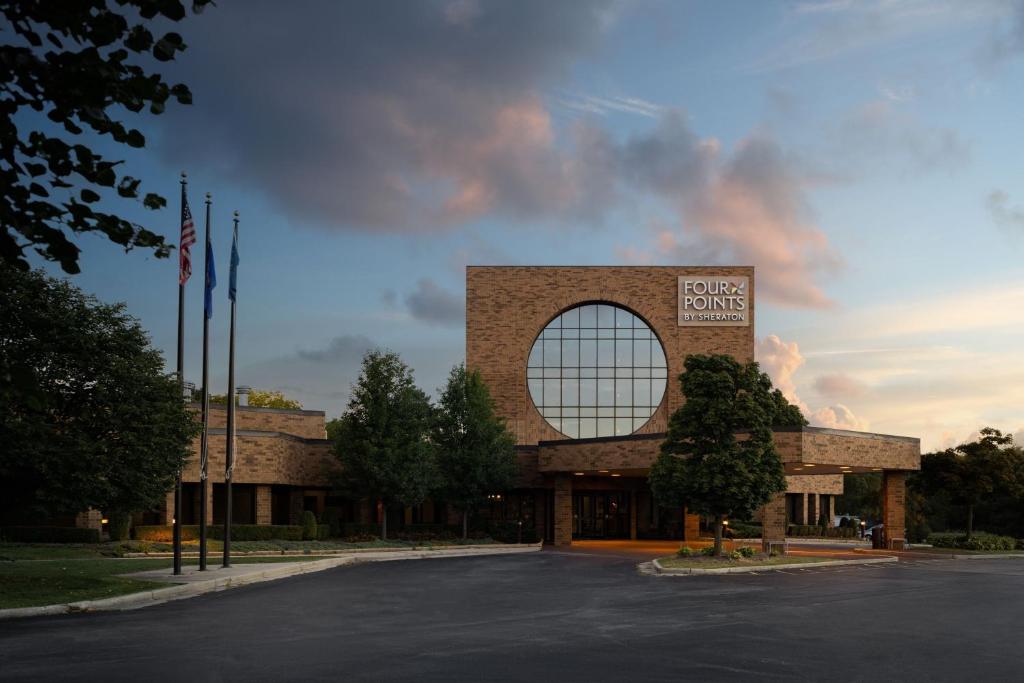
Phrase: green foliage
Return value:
(973, 471)
(979, 540)
(330, 519)
(818, 531)
(258, 532)
(702, 464)
(309, 528)
(862, 495)
(81, 64)
(685, 551)
(745, 530)
(90, 420)
(260, 399)
(382, 439)
(708, 551)
(49, 534)
(785, 414)
(118, 525)
(746, 551)
(735, 555)
(823, 521)
(165, 533)
(475, 452)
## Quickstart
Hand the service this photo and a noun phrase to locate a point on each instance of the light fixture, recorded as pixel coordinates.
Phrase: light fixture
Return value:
(173, 520)
(616, 475)
(104, 520)
(603, 471)
(579, 474)
(797, 469)
(725, 522)
(808, 464)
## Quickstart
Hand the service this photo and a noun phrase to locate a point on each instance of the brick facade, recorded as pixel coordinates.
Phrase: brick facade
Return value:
(506, 309)
(894, 497)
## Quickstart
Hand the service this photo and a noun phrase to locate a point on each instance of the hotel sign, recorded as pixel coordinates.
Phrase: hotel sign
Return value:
(714, 301)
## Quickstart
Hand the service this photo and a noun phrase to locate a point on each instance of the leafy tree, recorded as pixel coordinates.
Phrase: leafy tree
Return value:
(261, 399)
(973, 471)
(475, 455)
(862, 495)
(785, 414)
(78, 63)
(89, 419)
(382, 439)
(702, 463)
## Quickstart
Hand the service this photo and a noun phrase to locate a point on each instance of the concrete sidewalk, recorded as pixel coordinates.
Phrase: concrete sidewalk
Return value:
(193, 582)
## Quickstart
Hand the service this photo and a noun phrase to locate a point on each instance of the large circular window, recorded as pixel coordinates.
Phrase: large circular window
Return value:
(596, 370)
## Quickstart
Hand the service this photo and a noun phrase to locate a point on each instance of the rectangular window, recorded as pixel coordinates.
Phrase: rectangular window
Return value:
(551, 392)
(588, 428)
(570, 392)
(552, 353)
(623, 426)
(641, 392)
(605, 426)
(605, 392)
(642, 352)
(588, 392)
(588, 352)
(623, 353)
(570, 352)
(605, 353)
(624, 393)
(571, 318)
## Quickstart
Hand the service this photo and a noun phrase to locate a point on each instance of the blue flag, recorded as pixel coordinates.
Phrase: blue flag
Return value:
(211, 280)
(233, 280)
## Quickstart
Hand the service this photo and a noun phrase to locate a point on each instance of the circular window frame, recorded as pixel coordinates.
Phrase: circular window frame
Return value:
(538, 337)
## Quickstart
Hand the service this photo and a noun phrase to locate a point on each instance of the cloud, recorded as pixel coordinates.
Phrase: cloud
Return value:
(838, 416)
(1002, 214)
(383, 116)
(340, 349)
(781, 360)
(1007, 39)
(838, 385)
(435, 305)
(746, 207)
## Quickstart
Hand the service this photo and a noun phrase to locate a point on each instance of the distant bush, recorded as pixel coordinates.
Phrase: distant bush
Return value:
(746, 551)
(745, 530)
(815, 531)
(119, 526)
(685, 551)
(258, 532)
(709, 551)
(49, 534)
(360, 538)
(309, 532)
(165, 533)
(979, 540)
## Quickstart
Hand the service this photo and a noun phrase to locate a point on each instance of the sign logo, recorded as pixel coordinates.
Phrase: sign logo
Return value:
(714, 301)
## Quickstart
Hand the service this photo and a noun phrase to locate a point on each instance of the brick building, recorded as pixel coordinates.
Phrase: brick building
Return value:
(584, 362)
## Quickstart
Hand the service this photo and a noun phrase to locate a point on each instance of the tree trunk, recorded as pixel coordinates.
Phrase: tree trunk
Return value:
(970, 519)
(383, 521)
(718, 534)
(465, 524)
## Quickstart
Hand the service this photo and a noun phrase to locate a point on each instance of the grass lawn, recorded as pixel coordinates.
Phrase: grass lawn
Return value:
(701, 562)
(32, 582)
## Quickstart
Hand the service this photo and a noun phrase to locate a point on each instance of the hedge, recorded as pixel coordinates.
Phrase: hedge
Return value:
(239, 532)
(745, 530)
(979, 540)
(49, 534)
(815, 531)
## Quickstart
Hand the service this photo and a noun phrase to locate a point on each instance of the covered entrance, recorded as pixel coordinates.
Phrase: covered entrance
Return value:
(601, 514)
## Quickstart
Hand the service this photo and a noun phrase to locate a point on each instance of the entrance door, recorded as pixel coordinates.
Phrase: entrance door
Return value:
(601, 514)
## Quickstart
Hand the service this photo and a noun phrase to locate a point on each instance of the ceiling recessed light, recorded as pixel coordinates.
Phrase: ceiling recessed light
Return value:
(616, 475)
(603, 471)
(579, 474)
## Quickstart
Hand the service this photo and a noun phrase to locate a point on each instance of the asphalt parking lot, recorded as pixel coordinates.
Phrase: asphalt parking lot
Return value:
(554, 616)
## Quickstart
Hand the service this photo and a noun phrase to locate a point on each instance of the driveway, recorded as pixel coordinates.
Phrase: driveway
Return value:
(566, 616)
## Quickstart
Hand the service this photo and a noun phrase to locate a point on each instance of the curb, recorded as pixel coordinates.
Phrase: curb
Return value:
(688, 571)
(951, 555)
(189, 590)
(335, 551)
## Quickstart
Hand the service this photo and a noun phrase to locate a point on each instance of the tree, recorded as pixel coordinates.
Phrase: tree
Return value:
(260, 399)
(702, 463)
(77, 64)
(90, 419)
(475, 454)
(973, 471)
(784, 413)
(382, 439)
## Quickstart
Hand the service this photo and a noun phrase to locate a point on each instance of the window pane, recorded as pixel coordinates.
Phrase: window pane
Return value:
(570, 352)
(552, 353)
(641, 392)
(623, 318)
(623, 393)
(657, 390)
(534, 372)
(623, 426)
(570, 412)
(588, 428)
(571, 318)
(639, 422)
(536, 391)
(588, 392)
(605, 316)
(551, 392)
(641, 353)
(605, 426)
(657, 356)
(571, 427)
(605, 392)
(588, 316)
(588, 372)
(570, 333)
(623, 353)
(570, 392)
(588, 352)
(536, 354)
(605, 353)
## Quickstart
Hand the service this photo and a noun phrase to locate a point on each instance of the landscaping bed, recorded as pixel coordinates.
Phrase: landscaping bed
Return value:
(757, 560)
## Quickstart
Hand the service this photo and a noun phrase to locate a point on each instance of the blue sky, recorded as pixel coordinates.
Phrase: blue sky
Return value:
(863, 156)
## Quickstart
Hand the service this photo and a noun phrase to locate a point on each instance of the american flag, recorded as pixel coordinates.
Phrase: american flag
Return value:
(188, 238)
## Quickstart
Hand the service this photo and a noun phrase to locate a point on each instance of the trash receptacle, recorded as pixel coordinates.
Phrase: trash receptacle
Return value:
(876, 538)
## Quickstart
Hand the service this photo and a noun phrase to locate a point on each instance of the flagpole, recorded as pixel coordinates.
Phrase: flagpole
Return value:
(181, 392)
(204, 452)
(229, 460)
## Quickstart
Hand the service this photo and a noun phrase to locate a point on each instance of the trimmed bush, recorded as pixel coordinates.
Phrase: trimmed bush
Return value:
(119, 526)
(309, 532)
(49, 534)
(745, 530)
(165, 533)
(323, 532)
(685, 551)
(746, 551)
(980, 540)
(813, 530)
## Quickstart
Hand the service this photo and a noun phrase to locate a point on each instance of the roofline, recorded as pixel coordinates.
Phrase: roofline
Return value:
(662, 435)
(263, 434)
(255, 409)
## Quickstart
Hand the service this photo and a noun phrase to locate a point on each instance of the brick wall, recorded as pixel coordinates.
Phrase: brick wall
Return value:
(310, 424)
(894, 496)
(507, 307)
(815, 483)
(563, 509)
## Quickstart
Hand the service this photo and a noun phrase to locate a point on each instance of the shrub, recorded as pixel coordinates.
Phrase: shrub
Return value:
(49, 534)
(257, 532)
(746, 551)
(309, 532)
(360, 538)
(685, 551)
(735, 555)
(119, 525)
(709, 551)
(980, 540)
(165, 533)
(745, 530)
(323, 532)
(331, 518)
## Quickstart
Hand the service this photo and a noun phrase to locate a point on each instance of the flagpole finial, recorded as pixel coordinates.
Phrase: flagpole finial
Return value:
(183, 176)
(235, 214)
(209, 198)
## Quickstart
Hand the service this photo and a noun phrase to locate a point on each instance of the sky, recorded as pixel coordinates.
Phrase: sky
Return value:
(865, 157)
